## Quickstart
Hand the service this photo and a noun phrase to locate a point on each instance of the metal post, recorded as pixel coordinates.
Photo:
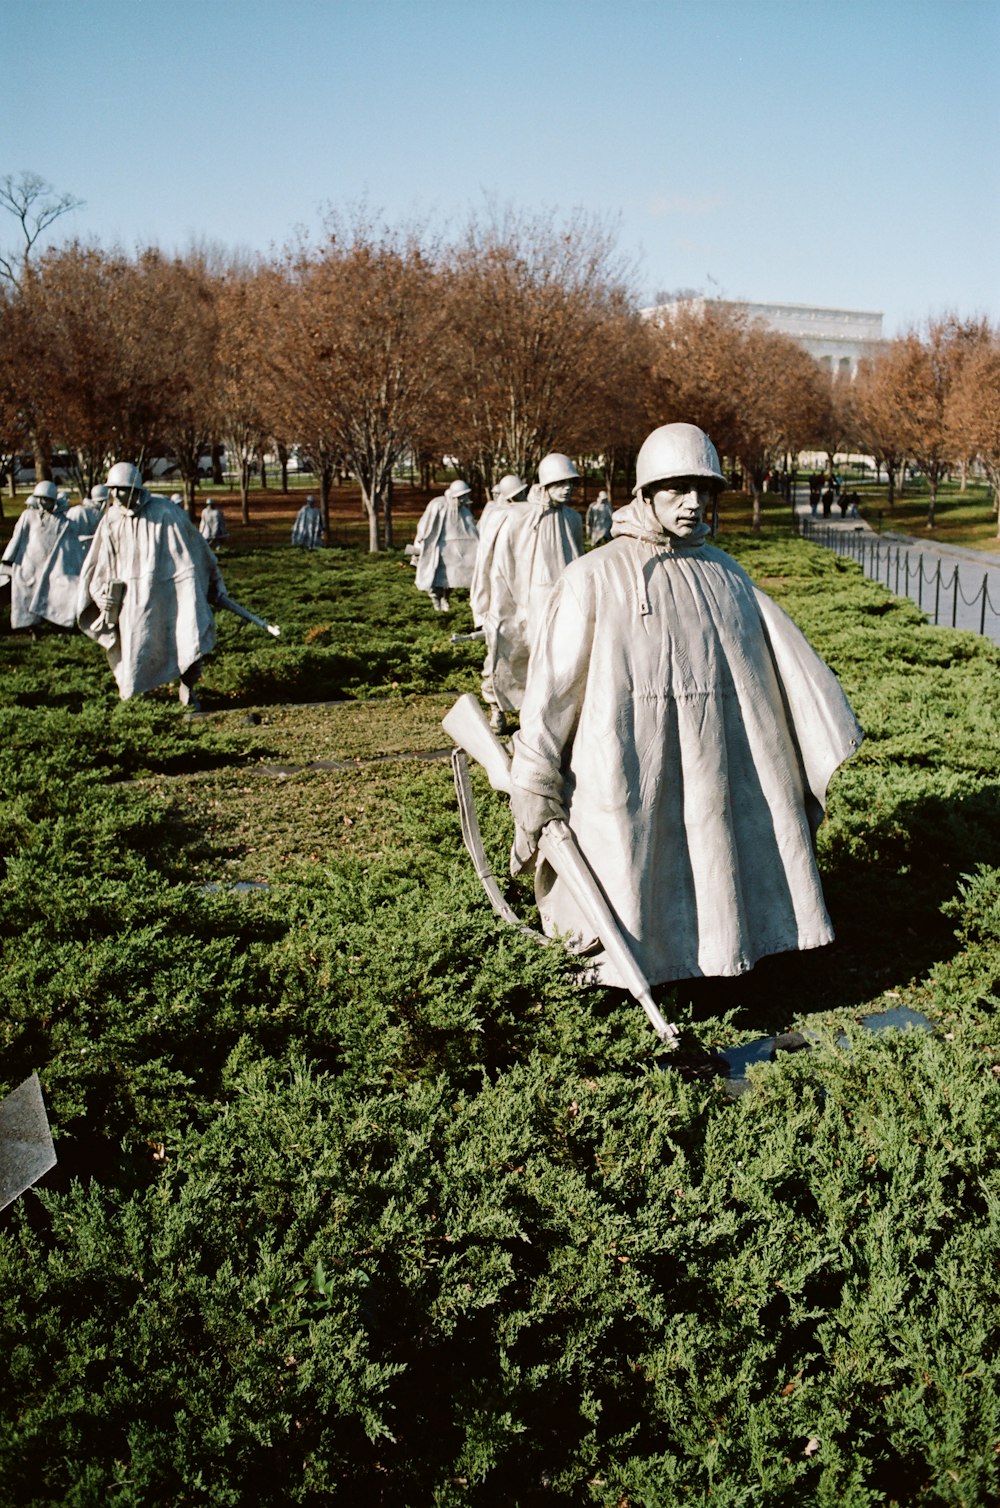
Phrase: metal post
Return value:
(920, 582)
(986, 592)
(896, 587)
(954, 602)
(937, 593)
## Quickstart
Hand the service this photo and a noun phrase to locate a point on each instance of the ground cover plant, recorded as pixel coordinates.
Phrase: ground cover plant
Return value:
(361, 1199)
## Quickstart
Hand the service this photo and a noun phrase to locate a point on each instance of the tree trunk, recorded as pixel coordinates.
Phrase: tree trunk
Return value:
(890, 472)
(283, 463)
(217, 477)
(755, 476)
(245, 490)
(932, 500)
(325, 483)
(190, 486)
(370, 503)
(387, 516)
(263, 473)
(43, 457)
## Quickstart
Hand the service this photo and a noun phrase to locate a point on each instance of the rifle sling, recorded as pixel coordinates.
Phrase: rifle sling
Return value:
(472, 838)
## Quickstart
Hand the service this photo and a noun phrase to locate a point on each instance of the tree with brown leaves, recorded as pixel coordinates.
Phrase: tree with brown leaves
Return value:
(356, 353)
(972, 412)
(877, 422)
(35, 205)
(757, 393)
(177, 343)
(537, 312)
(903, 397)
(241, 396)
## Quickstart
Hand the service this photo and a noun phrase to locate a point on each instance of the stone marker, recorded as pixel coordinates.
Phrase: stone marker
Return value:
(26, 1150)
(734, 1061)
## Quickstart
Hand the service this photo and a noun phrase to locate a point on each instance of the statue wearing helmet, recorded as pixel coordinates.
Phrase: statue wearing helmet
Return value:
(125, 486)
(307, 530)
(682, 725)
(86, 514)
(46, 495)
(445, 544)
(525, 550)
(510, 489)
(42, 562)
(213, 524)
(147, 589)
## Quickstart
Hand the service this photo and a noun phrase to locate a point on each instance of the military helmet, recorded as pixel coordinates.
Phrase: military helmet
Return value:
(124, 474)
(556, 468)
(676, 450)
(510, 485)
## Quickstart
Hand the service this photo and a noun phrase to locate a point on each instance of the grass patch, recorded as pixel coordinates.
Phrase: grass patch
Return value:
(960, 518)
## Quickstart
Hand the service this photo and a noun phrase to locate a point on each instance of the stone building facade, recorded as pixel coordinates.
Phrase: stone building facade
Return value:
(838, 338)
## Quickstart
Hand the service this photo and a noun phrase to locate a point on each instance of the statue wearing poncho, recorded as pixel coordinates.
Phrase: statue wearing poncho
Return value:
(42, 561)
(682, 724)
(520, 558)
(446, 543)
(146, 592)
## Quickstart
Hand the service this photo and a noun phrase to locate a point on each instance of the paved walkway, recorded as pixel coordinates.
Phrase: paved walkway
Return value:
(956, 587)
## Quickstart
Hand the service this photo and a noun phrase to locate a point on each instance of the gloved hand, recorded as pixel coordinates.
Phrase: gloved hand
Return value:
(110, 603)
(530, 813)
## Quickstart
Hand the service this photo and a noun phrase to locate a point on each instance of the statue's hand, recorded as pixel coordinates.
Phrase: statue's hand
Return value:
(530, 813)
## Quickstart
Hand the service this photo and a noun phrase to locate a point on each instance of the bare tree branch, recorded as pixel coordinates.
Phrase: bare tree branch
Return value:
(35, 205)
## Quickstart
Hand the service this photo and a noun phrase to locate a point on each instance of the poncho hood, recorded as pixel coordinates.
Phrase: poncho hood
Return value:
(636, 520)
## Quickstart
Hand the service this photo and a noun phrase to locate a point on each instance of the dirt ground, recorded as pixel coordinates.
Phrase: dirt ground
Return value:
(345, 502)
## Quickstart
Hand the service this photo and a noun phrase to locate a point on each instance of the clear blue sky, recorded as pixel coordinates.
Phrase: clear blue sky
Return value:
(814, 151)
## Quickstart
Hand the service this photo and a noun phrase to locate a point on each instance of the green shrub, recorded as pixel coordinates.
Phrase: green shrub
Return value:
(361, 1198)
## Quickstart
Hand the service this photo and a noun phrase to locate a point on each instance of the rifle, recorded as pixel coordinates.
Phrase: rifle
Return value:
(223, 600)
(466, 724)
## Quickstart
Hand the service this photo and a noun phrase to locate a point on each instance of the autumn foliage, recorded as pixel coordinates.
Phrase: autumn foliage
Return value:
(378, 345)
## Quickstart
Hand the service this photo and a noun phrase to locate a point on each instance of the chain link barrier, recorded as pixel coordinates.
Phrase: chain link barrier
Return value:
(891, 565)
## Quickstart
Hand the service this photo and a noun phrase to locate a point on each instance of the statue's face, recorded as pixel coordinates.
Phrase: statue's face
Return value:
(561, 492)
(681, 503)
(131, 498)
